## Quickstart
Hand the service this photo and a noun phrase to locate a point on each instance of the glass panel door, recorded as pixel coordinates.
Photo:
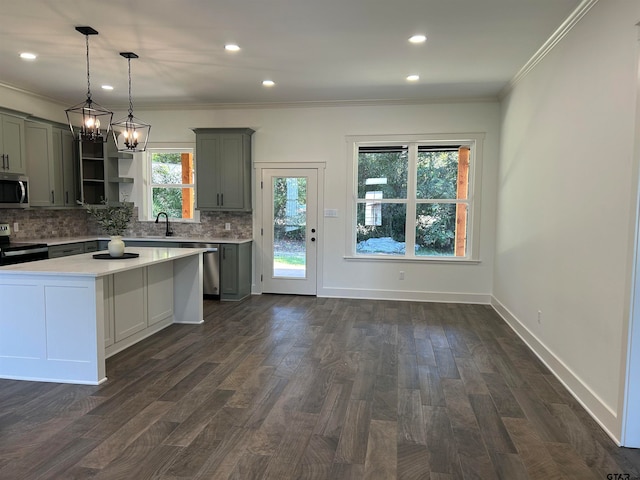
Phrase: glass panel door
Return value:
(290, 231)
(289, 227)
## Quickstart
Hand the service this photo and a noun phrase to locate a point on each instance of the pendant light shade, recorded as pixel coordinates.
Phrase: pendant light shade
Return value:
(89, 121)
(130, 134)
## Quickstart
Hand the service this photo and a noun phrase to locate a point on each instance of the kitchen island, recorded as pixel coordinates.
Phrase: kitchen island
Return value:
(61, 318)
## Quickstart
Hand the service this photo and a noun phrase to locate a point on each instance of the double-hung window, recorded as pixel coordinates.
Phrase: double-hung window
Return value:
(415, 197)
(171, 183)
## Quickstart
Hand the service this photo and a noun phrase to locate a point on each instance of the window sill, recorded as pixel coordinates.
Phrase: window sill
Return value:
(392, 258)
(171, 221)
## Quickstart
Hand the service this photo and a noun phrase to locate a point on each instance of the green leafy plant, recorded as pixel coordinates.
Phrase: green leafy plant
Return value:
(112, 218)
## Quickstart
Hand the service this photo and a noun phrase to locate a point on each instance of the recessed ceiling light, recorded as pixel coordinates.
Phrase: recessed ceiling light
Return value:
(413, 78)
(268, 83)
(418, 39)
(28, 56)
(232, 47)
(107, 87)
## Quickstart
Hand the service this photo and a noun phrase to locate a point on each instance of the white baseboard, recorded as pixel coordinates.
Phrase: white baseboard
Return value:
(594, 405)
(403, 295)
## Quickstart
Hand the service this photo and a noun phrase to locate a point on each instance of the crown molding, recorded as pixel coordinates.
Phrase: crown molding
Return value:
(30, 93)
(549, 45)
(316, 104)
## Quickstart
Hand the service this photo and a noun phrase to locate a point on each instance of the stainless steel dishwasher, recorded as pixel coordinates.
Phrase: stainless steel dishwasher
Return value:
(210, 267)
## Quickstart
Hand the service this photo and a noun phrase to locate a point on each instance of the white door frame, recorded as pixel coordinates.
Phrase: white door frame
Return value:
(259, 218)
(630, 426)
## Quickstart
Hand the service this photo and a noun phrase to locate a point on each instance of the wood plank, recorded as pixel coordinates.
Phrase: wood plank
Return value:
(447, 367)
(109, 449)
(317, 461)
(412, 462)
(492, 429)
(381, 458)
(385, 398)
(410, 422)
(314, 388)
(431, 392)
(191, 427)
(352, 446)
(503, 399)
(533, 452)
(443, 453)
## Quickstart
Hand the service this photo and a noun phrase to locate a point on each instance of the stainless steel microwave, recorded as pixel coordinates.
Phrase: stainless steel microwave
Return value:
(14, 190)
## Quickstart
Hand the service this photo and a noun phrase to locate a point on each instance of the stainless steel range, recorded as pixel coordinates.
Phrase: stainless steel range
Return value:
(13, 252)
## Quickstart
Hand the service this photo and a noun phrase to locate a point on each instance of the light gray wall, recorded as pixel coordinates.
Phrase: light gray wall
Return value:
(300, 135)
(567, 187)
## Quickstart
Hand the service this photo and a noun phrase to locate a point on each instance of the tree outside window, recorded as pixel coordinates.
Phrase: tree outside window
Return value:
(414, 194)
(172, 183)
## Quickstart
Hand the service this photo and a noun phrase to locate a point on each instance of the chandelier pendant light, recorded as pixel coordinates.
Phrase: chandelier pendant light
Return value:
(86, 118)
(130, 134)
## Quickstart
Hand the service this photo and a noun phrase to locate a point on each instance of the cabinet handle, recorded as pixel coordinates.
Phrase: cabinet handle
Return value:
(224, 253)
(3, 161)
(217, 199)
(8, 164)
(53, 197)
(222, 199)
(66, 197)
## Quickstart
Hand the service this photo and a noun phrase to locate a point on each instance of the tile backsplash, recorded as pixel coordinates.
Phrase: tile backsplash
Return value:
(44, 223)
(35, 223)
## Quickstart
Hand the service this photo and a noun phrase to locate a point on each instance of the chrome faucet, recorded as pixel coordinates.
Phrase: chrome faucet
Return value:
(168, 232)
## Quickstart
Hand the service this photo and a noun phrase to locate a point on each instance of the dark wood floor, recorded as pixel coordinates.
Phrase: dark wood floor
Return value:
(284, 387)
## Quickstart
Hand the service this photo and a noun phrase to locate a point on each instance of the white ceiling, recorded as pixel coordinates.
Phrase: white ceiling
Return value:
(315, 50)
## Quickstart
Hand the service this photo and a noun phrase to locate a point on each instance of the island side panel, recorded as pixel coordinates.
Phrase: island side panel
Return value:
(49, 329)
(187, 289)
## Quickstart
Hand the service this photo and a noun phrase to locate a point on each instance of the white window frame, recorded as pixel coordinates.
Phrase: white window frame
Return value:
(473, 140)
(149, 186)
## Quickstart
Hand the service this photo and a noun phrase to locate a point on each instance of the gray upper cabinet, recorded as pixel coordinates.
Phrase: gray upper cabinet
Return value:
(65, 169)
(51, 165)
(223, 169)
(12, 145)
(40, 165)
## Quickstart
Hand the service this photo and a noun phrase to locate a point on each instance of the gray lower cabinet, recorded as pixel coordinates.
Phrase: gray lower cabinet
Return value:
(235, 265)
(151, 243)
(235, 271)
(67, 249)
(223, 166)
(102, 244)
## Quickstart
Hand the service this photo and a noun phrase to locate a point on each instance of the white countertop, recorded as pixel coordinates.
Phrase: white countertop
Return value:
(86, 265)
(53, 241)
(64, 240)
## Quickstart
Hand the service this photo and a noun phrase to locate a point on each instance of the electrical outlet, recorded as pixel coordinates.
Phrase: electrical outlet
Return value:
(16, 227)
(401, 275)
(227, 226)
(539, 316)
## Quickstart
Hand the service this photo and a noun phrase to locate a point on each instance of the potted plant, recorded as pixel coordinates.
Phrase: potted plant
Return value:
(113, 219)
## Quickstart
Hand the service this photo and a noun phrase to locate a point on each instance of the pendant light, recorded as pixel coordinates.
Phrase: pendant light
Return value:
(130, 134)
(88, 116)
